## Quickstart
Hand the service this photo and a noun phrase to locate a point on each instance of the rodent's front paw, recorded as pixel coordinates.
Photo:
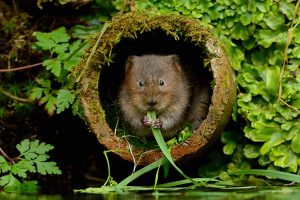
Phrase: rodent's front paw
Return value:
(147, 121)
(157, 124)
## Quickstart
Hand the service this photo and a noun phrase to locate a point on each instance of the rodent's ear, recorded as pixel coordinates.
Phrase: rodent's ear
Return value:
(175, 60)
(129, 63)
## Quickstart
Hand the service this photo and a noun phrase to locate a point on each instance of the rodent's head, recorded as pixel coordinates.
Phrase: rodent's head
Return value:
(155, 82)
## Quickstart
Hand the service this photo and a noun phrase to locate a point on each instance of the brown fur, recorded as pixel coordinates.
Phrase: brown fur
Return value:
(172, 99)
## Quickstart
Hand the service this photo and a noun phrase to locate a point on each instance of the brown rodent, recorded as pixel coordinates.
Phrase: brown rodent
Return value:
(158, 82)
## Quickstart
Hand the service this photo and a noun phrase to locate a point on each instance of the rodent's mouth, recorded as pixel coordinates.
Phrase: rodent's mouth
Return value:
(157, 110)
(152, 108)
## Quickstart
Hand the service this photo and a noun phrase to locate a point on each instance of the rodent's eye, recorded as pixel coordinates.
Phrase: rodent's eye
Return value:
(161, 82)
(141, 83)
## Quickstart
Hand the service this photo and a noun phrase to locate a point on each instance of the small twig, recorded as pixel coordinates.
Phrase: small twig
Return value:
(124, 6)
(21, 68)
(105, 26)
(288, 105)
(6, 156)
(132, 155)
(285, 60)
(132, 5)
(23, 100)
(41, 63)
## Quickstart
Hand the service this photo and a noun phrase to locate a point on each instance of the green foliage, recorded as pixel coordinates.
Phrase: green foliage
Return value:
(262, 40)
(185, 133)
(32, 158)
(50, 87)
(63, 56)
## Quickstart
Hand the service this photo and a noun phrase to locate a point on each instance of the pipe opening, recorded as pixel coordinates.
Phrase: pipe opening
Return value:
(192, 59)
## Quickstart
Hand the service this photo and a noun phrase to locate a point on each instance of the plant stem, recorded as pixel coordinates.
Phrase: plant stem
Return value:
(139, 173)
(108, 167)
(288, 105)
(285, 60)
(21, 68)
(23, 100)
(157, 176)
(105, 26)
(124, 6)
(132, 5)
(6, 156)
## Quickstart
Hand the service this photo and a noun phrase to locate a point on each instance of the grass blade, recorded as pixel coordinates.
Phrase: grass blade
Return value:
(185, 181)
(270, 173)
(140, 172)
(162, 145)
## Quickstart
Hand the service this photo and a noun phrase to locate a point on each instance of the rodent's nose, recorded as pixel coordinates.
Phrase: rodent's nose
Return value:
(151, 102)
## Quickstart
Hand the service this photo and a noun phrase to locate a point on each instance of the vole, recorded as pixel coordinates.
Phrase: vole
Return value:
(159, 83)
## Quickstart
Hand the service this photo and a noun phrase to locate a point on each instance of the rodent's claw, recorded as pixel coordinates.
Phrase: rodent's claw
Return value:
(157, 124)
(147, 121)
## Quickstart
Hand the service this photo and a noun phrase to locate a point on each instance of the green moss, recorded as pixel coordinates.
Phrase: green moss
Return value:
(131, 25)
